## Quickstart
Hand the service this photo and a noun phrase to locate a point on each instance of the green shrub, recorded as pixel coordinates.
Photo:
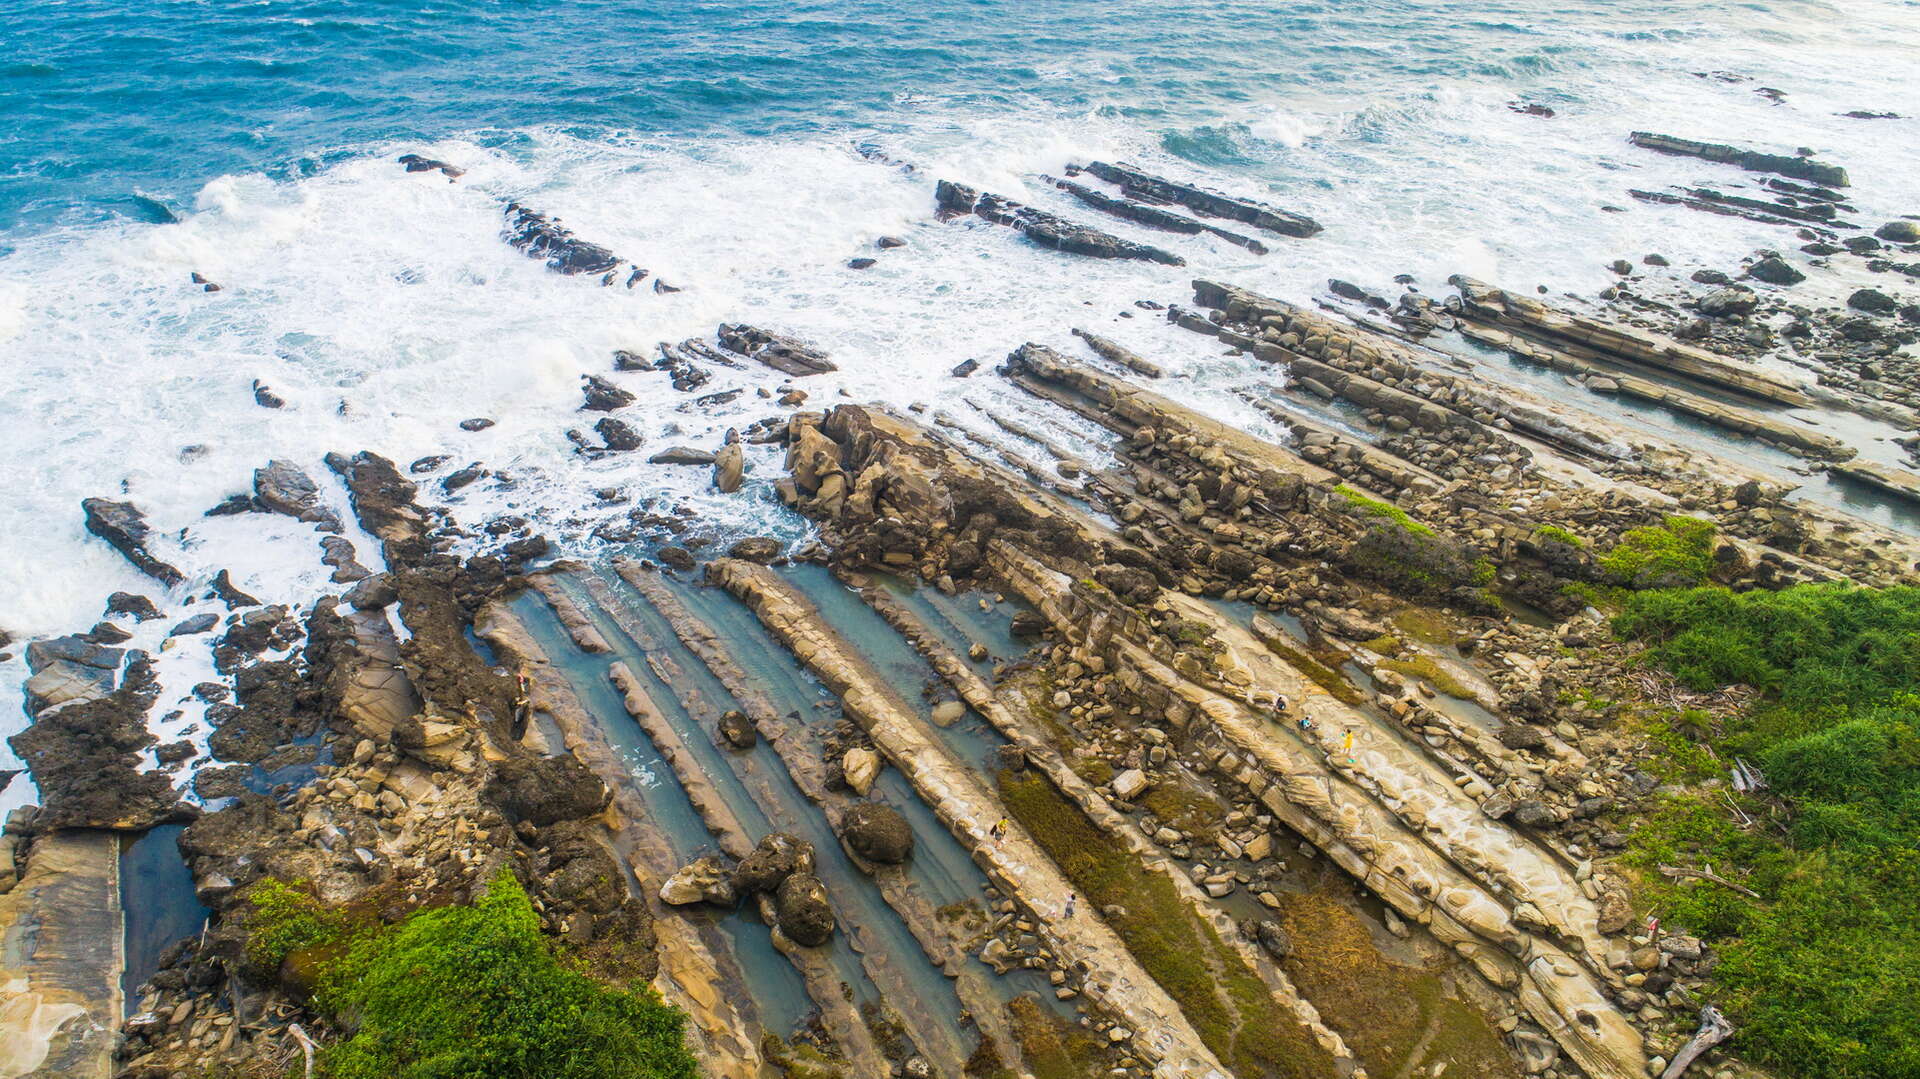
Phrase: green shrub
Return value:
(1821, 971)
(1373, 507)
(1556, 534)
(473, 992)
(286, 919)
(1673, 554)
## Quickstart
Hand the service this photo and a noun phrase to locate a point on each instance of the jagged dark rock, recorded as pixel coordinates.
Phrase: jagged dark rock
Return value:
(546, 790)
(877, 833)
(805, 914)
(416, 163)
(84, 757)
(125, 527)
(1155, 217)
(777, 856)
(1150, 188)
(619, 435)
(542, 237)
(284, 487)
(778, 351)
(1800, 168)
(1045, 229)
(603, 396)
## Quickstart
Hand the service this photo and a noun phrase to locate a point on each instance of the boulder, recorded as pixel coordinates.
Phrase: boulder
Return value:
(1130, 784)
(546, 790)
(681, 455)
(705, 880)
(1899, 232)
(1775, 270)
(139, 606)
(730, 464)
(777, 856)
(877, 833)
(618, 434)
(761, 549)
(283, 487)
(1722, 302)
(602, 396)
(860, 766)
(805, 915)
(737, 730)
(1273, 938)
(1873, 302)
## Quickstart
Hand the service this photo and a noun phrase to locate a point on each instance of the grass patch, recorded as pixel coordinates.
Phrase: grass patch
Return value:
(1094, 770)
(287, 918)
(461, 991)
(1372, 507)
(1381, 1008)
(1427, 624)
(1822, 970)
(1221, 996)
(1187, 810)
(1556, 534)
(1317, 672)
(1425, 668)
(1052, 1047)
(1676, 553)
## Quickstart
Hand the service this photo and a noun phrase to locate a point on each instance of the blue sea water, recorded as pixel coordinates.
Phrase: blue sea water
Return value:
(717, 142)
(124, 108)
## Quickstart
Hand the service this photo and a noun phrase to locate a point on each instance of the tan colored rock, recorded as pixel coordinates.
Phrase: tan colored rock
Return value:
(861, 766)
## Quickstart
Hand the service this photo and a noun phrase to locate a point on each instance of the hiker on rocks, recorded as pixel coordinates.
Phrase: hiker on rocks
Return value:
(999, 829)
(1072, 898)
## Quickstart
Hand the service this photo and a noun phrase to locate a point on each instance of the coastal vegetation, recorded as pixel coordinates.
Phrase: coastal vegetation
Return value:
(1808, 885)
(465, 990)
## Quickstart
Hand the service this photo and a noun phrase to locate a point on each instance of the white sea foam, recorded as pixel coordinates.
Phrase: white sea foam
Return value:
(384, 307)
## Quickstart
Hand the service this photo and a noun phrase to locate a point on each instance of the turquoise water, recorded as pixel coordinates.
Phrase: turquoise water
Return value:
(125, 108)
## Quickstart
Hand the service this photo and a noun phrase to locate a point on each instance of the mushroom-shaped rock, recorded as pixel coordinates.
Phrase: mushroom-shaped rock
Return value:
(804, 914)
(877, 833)
(704, 880)
(778, 856)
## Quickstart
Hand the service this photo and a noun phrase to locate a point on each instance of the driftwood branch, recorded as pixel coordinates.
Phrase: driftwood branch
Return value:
(1714, 1029)
(306, 1046)
(1677, 872)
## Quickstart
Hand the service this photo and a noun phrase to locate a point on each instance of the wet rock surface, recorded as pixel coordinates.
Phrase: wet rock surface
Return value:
(1043, 228)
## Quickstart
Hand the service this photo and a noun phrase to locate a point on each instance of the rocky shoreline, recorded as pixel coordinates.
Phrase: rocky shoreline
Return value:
(1203, 754)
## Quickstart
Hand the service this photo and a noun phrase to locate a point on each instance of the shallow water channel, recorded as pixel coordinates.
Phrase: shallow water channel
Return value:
(875, 953)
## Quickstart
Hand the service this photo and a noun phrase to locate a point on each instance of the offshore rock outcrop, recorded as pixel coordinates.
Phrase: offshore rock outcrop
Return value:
(1043, 228)
(778, 351)
(125, 527)
(1800, 168)
(1150, 188)
(541, 237)
(1154, 217)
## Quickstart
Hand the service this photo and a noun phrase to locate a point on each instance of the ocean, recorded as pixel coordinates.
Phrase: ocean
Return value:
(744, 152)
